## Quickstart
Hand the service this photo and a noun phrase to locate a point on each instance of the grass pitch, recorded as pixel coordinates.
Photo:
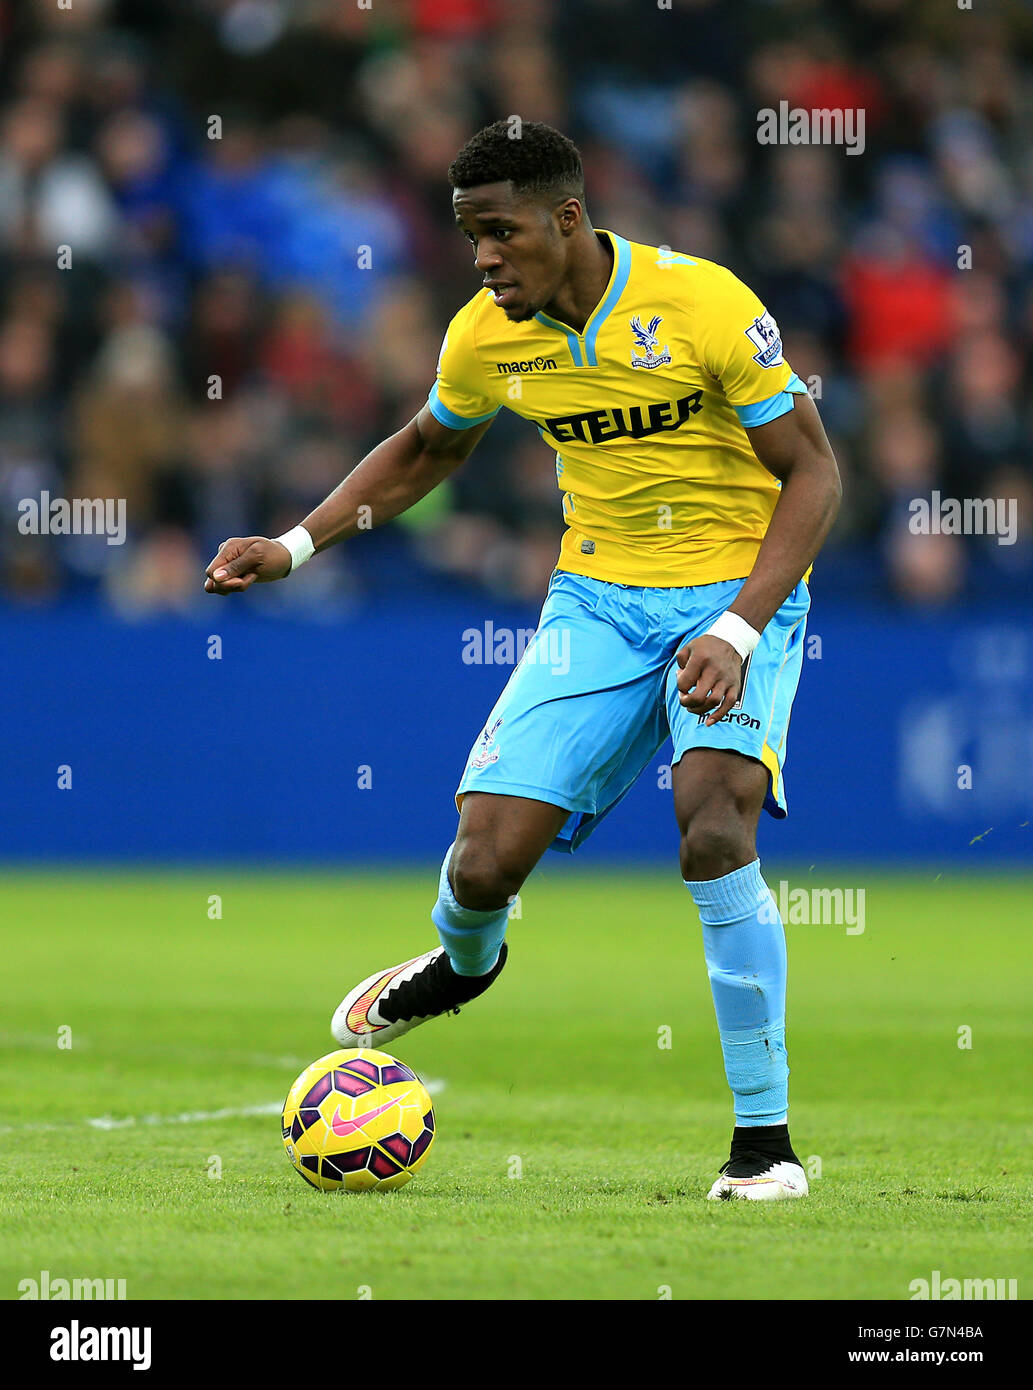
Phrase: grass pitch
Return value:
(573, 1152)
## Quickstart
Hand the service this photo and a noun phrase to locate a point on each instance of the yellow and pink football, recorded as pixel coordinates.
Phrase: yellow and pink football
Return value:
(357, 1120)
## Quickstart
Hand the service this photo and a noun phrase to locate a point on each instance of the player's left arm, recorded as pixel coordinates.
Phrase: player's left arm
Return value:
(795, 449)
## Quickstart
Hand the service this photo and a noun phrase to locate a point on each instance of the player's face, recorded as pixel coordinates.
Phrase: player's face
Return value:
(520, 250)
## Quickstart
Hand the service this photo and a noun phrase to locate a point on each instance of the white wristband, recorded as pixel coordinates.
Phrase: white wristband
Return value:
(299, 543)
(736, 631)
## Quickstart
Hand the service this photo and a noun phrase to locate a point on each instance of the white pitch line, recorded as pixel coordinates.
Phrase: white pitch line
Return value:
(188, 1117)
(433, 1086)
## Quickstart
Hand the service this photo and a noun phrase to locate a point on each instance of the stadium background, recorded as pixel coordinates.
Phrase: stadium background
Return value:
(339, 711)
(160, 989)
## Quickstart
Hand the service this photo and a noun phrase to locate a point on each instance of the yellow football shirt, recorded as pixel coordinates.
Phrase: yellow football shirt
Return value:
(646, 410)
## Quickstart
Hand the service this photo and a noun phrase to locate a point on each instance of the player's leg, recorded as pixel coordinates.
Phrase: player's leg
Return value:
(577, 720)
(718, 797)
(724, 775)
(499, 841)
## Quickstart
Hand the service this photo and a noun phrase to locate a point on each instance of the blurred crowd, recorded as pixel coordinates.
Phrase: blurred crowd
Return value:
(188, 320)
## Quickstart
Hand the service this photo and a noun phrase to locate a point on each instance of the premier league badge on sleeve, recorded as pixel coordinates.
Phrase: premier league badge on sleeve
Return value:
(764, 335)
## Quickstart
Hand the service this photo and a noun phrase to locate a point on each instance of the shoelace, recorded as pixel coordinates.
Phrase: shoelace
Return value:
(437, 990)
(764, 1160)
(424, 994)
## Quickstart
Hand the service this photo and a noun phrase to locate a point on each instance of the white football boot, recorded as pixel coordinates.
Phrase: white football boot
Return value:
(393, 1001)
(756, 1177)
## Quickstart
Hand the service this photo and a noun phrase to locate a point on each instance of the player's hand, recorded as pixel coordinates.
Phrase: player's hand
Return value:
(243, 561)
(710, 678)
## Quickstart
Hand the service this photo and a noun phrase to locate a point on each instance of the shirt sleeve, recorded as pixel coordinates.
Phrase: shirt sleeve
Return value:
(739, 343)
(459, 396)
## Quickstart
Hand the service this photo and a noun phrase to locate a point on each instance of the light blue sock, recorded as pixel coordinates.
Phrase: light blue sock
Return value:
(472, 939)
(745, 948)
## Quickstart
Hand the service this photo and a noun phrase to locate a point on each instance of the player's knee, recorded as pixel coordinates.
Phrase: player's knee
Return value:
(485, 875)
(712, 846)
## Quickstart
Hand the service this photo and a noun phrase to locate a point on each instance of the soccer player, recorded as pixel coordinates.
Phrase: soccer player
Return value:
(698, 486)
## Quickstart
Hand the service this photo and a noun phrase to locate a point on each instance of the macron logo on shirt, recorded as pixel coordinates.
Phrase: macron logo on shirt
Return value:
(534, 364)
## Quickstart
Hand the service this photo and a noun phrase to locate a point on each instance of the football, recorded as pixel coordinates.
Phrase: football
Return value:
(356, 1120)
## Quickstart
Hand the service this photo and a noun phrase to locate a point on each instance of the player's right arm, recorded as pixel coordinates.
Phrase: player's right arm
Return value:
(393, 476)
(389, 480)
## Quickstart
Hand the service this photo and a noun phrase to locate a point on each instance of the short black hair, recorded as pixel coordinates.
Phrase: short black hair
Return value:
(535, 157)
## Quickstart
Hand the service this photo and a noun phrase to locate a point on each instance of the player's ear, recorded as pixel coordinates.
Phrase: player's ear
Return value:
(568, 216)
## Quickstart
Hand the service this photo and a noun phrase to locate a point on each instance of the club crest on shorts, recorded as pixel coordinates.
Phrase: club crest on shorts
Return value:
(646, 339)
(764, 335)
(486, 752)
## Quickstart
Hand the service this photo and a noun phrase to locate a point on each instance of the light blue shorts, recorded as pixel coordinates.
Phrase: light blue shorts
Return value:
(595, 695)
